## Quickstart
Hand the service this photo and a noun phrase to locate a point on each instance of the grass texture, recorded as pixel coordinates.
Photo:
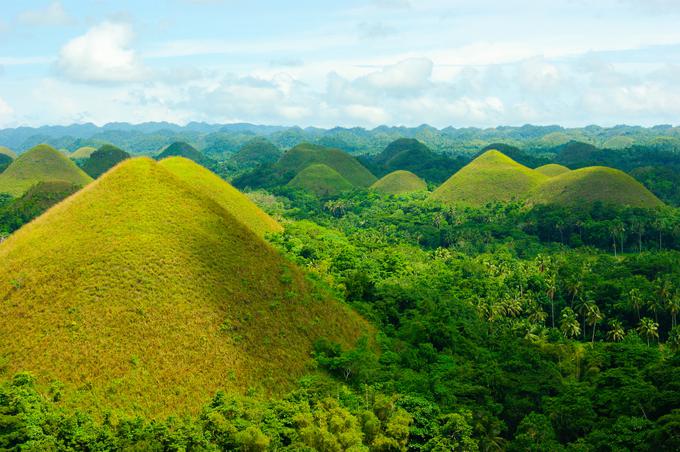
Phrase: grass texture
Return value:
(399, 182)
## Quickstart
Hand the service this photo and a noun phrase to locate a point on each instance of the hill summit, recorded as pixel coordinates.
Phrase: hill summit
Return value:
(147, 296)
(40, 164)
(490, 177)
(103, 159)
(399, 182)
(181, 149)
(322, 180)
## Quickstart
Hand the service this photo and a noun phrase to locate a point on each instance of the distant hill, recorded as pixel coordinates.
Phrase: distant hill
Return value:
(40, 164)
(230, 199)
(411, 155)
(181, 149)
(399, 182)
(322, 180)
(159, 297)
(552, 169)
(256, 151)
(490, 177)
(299, 158)
(5, 161)
(516, 154)
(8, 152)
(33, 203)
(82, 153)
(103, 159)
(588, 185)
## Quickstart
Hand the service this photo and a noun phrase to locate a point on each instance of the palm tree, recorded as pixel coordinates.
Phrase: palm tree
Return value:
(674, 339)
(593, 315)
(635, 301)
(536, 313)
(551, 291)
(582, 306)
(673, 306)
(616, 332)
(649, 329)
(664, 295)
(569, 324)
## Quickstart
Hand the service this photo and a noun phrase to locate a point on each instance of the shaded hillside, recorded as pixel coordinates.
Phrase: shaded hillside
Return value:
(255, 152)
(5, 161)
(33, 203)
(409, 154)
(40, 164)
(8, 152)
(145, 295)
(230, 199)
(663, 181)
(593, 184)
(321, 180)
(490, 177)
(399, 182)
(552, 170)
(103, 159)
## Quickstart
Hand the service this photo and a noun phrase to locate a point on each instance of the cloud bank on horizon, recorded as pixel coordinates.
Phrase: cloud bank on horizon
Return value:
(364, 63)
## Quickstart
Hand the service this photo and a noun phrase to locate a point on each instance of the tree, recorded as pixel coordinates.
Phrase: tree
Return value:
(649, 329)
(569, 324)
(673, 306)
(616, 332)
(635, 301)
(593, 315)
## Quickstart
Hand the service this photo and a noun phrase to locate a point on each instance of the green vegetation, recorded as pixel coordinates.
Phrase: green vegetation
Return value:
(490, 177)
(180, 149)
(255, 152)
(399, 182)
(552, 169)
(593, 184)
(5, 161)
(82, 153)
(40, 164)
(321, 180)
(8, 152)
(226, 196)
(159, 298)
(103, 159)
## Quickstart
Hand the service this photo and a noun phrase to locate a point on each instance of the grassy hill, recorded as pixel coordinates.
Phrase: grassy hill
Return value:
(181, 149)
(147, 296)
(40, 164)
(230, 199)
(303, 155)
(103, 159)
(593, 184)
(552, 169)
(8, 152)
(399, 182)
(490, 177)
(33, 203)
(5, 161)
(82, 153)
(321, 180)
(255, 152)
(515, 153)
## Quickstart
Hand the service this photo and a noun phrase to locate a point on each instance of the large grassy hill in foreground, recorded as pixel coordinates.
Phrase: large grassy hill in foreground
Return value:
(40, 164)
(322, 180)
(490, 177)
(597, 183)
(147, 296)
(399, 182)
(230, 199)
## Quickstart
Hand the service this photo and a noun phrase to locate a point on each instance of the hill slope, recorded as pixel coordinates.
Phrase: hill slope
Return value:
(82, 153)
(33, 203)
(230, 199)
(321, 180)
(146, 296)
(552, 169)
(303, 155)
(103, 159)
(181, 149)
(8, 152)
(399, 182)
(593, 184)
(5, 161)
(256, 151)
(490, 177)
(40, 164)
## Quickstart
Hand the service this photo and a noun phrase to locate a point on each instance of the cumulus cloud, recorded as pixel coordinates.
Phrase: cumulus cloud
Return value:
(102, 54)
(6, 112)
(52, 15)
(405, 76)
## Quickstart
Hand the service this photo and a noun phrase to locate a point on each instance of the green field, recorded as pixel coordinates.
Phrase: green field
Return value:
(147, 296)
(399, 182)
(40, 164)
(552, 169)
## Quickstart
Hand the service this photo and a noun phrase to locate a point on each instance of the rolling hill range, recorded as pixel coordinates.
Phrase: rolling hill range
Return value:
(82, 153)
(103, 159)
(552, 169)
(399, 182)
(181, 149)
(230, 199)
(255, 152)
(322, 180)
(597, 183)
(40, 164)
(490, 177)
(147, 296)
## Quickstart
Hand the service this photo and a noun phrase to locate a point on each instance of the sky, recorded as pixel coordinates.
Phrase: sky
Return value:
(346, 63)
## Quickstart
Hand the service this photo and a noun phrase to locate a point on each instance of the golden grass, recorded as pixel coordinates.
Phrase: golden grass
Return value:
(490, 177)
(552, 169)
(141, 293)
(8, 152)
(83, 153)
(41, 164)
(399, 182)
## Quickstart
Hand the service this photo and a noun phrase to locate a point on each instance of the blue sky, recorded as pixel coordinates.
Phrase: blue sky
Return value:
(365, 63)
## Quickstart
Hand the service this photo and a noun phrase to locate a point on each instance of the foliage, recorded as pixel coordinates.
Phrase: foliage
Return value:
(321, 180)
(103, 159)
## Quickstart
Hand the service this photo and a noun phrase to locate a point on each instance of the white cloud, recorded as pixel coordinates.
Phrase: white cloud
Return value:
(103, 54)
(6, 112)
(406, 75)
(52, 15)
